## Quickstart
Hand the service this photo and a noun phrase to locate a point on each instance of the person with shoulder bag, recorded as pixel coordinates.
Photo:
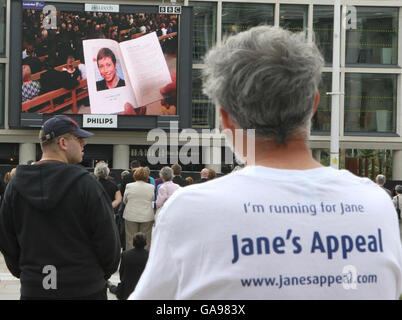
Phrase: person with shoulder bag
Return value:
(121, 225)
(396, 200)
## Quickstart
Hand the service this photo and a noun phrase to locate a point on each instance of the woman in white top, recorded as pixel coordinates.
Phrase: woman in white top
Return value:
(138, 213)
(397, 200)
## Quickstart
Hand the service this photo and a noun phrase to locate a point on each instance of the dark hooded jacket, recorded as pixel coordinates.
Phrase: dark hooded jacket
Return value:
(54, 214)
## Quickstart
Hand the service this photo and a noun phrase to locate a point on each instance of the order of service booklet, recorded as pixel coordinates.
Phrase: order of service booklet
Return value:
(131, 72)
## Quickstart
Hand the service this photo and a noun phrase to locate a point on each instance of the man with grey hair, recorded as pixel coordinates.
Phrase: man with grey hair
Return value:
(203, 176)
(284, 227)
(380, 180)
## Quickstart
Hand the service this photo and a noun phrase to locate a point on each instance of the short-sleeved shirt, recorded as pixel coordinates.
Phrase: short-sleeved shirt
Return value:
(329, 224)
(110, 188)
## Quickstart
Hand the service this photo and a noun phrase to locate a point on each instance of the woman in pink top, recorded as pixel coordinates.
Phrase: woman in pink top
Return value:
(166, 189)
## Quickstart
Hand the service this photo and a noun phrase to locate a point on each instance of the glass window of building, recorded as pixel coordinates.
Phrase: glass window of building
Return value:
(370, 102)
(203, 108)
(3, 5)
(9, 154)
(322, 118)
(2, 89)
(293, 17)
(375, 39)
(238, 17)
(323, 27)
(204, 35)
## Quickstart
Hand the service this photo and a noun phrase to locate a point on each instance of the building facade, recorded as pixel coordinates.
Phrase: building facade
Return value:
(371, 78)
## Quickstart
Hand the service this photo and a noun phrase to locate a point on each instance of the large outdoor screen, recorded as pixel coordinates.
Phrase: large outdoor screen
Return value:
(99, 63)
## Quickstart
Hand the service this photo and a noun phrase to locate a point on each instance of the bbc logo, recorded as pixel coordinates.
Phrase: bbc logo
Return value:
(170, 9)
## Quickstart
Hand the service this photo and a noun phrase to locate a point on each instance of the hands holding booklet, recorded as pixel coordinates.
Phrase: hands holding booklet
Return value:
(124, 77)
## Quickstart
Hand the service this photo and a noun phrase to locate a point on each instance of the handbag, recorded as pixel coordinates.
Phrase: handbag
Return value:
(121, 225)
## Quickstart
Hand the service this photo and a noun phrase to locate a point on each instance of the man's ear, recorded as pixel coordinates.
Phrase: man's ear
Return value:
(316, 102)
(62, 144)
(226, 122)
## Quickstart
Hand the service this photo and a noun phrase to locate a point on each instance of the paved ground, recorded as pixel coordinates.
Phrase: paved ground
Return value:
(10, 286)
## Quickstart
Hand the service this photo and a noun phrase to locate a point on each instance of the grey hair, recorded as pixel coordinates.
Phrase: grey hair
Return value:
(124, 173)
(266, 79)
(148, 170)
(101, 170)
(166, 173)
(380, 179)
(398, 189)
(204, 173)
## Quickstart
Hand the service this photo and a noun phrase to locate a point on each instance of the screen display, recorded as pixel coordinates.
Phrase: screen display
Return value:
(99, 63)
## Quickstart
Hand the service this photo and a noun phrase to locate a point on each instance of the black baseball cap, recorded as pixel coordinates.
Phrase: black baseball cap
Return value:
(61, 124)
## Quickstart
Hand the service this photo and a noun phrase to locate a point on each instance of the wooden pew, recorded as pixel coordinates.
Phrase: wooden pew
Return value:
(160, 38)
(72, 97)
(168, 36)
(75, 64)
(43, 58)
(122, 34)
(137, 35)
(36, 76)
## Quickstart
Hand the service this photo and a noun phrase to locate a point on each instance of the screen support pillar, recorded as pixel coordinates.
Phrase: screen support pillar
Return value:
(27, 152)
(121, 156)
(397, 165)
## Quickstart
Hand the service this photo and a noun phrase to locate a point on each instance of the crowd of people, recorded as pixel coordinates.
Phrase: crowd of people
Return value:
(284, 227)
(395, 195)
(136, 202)
(138, 198)
(45, 49)
(137, 212)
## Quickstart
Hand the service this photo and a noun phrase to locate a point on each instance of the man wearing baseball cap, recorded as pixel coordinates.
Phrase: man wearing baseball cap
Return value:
(57, 232)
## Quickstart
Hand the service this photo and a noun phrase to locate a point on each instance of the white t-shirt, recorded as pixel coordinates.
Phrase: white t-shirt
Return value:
(263, 233)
